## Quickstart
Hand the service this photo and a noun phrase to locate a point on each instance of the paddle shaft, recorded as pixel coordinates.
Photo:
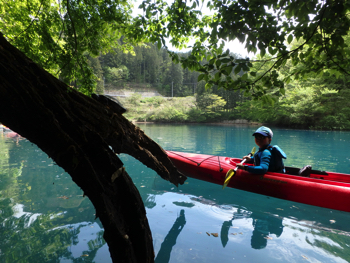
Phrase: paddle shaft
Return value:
(243, 161)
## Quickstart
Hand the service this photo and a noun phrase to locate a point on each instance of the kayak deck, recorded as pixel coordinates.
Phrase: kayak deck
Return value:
(328, 177)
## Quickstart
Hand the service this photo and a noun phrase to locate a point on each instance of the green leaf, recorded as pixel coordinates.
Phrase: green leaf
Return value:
(290, 39)
(207, 86)
(245, 76)
(225, 60)
(200, 77)
(218, 63)
(217, 76)
(272, 51)
(283, 91)
(212, 61)
(237, 69)
(228, 70)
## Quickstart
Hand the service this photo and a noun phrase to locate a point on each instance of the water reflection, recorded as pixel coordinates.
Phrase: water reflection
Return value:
(11, 134)
(45, 218)
(163, 255)
(292, 229)
(43, 215)
(263, 224)
(263, 227)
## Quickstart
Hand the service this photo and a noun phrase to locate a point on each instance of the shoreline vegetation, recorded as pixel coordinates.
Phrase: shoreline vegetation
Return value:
(210, 109)
(311, 101)
(225, 122)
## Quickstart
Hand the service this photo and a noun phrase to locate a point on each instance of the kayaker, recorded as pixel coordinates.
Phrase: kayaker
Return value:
(268, 158)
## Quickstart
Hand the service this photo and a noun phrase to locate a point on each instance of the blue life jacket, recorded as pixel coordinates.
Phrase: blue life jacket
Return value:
(276, 161)
(277, 156)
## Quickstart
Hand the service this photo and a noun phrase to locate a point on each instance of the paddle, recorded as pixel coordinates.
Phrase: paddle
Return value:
(230, 173)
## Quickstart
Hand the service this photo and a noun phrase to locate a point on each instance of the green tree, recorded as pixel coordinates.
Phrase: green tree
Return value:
(57, 34)
(211, 104)
(151, 64)
(58, 40)
(308, 102)
(95, 64)
(175, 79)
(116, 76)
(264, 27)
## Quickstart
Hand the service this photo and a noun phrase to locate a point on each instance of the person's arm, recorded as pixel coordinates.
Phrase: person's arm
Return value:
(265, 159)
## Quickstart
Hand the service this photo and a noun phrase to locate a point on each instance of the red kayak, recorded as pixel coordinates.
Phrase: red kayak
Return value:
(319, 188)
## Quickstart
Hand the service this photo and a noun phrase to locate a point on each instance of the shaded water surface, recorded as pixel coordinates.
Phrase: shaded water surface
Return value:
(45, 218)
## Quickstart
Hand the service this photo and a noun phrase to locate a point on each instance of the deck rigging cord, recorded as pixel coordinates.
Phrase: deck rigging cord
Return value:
(198, 164)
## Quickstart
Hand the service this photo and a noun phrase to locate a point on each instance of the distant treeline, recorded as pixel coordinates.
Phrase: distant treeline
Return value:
(147, 67)
(312, 103)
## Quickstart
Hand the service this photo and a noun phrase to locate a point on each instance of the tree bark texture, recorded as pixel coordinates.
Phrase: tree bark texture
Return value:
(84, 135)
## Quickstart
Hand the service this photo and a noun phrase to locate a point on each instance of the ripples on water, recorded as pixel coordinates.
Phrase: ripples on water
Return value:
(45, 218)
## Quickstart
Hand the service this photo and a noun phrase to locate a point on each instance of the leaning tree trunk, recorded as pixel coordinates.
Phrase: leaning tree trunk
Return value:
(83, 136)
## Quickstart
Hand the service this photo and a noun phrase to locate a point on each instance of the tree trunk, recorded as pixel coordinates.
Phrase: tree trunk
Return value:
(83, 136)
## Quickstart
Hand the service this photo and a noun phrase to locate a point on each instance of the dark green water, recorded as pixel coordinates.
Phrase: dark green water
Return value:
(45, 218)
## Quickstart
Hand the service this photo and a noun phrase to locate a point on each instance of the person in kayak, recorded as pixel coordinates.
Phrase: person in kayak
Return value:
(268, 158)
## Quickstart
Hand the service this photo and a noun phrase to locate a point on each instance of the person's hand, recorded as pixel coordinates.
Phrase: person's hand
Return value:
(247, 158)
(241, 166)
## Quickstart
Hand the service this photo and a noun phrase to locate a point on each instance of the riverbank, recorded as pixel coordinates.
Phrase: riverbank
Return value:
(177, 110)
(225, 122)
(190, 110)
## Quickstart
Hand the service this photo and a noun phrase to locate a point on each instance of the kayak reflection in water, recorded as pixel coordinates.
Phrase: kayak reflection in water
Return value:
(163, 255)
(264, 225)
(11, 134)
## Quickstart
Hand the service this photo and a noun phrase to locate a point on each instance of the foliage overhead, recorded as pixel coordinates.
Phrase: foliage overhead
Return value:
(58, 34)
(264, 26)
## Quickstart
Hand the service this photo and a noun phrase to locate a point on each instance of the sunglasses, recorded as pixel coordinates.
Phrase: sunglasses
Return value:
(259, 136)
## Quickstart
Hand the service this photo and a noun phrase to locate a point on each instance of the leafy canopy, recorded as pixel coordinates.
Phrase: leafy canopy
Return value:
(264, 26)
(58, 34)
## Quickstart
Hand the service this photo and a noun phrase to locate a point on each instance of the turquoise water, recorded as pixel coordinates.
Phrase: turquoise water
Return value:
(45, 218)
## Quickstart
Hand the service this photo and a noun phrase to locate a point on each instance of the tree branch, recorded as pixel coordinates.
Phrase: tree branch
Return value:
(294, 50)
(72, 21)
(331, 58)
(37, 13)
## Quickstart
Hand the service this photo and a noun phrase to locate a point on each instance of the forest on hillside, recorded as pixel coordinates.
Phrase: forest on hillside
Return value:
(145, 68)
(314, 102)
